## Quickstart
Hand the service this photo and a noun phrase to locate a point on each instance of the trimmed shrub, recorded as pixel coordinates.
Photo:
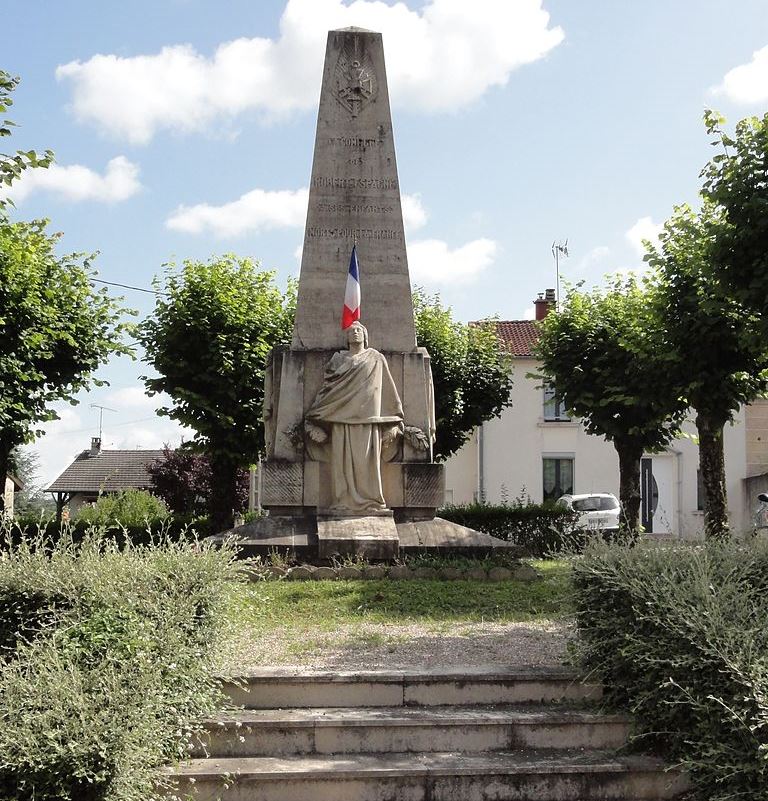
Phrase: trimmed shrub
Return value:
(105, 670)
(172, 529)
(538, 528)
(131, 508)
(679, 635)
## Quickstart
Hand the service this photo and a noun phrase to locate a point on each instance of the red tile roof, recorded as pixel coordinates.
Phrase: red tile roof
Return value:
(107, 471)
(518, 337)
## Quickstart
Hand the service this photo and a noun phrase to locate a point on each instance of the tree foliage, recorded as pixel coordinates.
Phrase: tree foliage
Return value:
(471, 373)
(716, 355)
(208, 338)
(30, 502)
(736, 183)
(184, 480)
(55, 330)
(12, 165)
(604, 352)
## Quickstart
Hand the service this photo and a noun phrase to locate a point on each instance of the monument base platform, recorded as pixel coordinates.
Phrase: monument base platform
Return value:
(372, 537)
(299, 539)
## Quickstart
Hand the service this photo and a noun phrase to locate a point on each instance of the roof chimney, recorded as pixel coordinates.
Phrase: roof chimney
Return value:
(95, 446)
(543, 303)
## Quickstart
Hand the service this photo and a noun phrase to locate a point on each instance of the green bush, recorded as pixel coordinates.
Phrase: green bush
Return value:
(177, 529)
(130, 508)
(679, 635)
(540, 529)
(105, 668)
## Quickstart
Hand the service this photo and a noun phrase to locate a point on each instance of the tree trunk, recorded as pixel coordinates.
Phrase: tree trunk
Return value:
(630, 454)
(223, 501)
(712, 466)
(5, 457)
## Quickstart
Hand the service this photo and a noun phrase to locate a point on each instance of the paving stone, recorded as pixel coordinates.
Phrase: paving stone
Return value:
(425, 573)
(525, 573)
(450, 573)
(476, 574)
(400, 572)
(499, 574)
(301, 573)
(350, 573)
(375, 572)
(324, 574)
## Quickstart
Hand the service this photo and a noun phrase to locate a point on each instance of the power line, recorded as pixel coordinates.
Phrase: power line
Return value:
(128, 286)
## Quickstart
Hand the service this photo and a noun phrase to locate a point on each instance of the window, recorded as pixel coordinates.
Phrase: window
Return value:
(596, 503)
(558, 477)
(554, 409)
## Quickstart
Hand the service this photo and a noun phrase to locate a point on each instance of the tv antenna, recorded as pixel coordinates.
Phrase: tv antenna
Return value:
(559, 249)
(101, 409)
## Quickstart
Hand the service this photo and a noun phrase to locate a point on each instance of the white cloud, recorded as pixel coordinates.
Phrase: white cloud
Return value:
(592, 257)
(77, 183)
(414, 214)
(439, 58)
(431, 261)
(644, 228)
(260, 210)
(747, 83)
(135, 398)
(254, 211)
(529, 313)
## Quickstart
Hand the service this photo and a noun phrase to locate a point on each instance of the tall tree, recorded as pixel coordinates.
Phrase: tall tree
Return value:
(717, 357)
(472, 375)
(12, 166)
(55, 330)
(208, 338)
(736, 184)
(603, 351)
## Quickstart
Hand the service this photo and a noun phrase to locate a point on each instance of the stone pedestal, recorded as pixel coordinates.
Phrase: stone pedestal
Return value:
(413, 484)
(374, 537)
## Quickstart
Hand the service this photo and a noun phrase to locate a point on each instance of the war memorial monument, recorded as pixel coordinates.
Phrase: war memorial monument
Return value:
(349, 408)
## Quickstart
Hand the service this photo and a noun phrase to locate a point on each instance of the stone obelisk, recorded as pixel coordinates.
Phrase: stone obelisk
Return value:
(354, 195)
(354, 199)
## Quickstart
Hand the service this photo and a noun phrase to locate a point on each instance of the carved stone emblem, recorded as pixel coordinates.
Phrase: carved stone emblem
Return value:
(355, 83)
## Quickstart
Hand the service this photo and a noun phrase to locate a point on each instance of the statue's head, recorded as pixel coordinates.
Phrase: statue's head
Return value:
(357, 332)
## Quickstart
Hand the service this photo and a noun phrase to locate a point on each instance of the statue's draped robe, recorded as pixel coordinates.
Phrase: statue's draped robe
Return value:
(357, 398)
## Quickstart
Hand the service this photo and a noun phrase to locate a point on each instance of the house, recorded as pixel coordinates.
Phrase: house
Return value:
(534, 449)
(96, 472)
(12, 486)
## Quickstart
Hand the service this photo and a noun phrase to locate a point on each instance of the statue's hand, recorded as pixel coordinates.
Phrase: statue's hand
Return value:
(315, 433)
(390, 434)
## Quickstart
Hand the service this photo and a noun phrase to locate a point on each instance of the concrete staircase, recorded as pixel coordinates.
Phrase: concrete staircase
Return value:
(463, 735)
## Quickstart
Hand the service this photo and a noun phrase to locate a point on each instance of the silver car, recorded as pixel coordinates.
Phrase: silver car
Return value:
(598, 511)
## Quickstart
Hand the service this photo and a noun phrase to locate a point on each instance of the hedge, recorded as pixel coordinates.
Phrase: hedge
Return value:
(679, 635)
(171, 529)
(539, 528)
(105, 663)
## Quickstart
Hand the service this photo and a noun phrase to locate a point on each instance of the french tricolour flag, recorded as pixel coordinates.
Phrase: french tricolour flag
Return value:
(351, 310)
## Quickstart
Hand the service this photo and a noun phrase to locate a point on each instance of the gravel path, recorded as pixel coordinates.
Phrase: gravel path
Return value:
(402, 646)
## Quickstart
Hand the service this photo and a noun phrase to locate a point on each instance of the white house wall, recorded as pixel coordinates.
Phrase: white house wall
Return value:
(513, 445)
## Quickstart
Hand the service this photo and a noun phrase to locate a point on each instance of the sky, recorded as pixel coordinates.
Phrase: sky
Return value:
(185, 128)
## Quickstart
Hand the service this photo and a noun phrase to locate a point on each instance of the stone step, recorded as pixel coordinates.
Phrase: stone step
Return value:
(505, 776)
(272, 732)
(271, 688)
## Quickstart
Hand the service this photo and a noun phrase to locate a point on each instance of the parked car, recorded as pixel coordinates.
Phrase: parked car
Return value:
(598, 511)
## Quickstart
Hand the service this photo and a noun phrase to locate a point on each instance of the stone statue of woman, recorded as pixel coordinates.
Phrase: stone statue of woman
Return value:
(359, 410)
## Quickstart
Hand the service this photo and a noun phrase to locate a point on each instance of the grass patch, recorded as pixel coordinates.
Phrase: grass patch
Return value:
(325, 605)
